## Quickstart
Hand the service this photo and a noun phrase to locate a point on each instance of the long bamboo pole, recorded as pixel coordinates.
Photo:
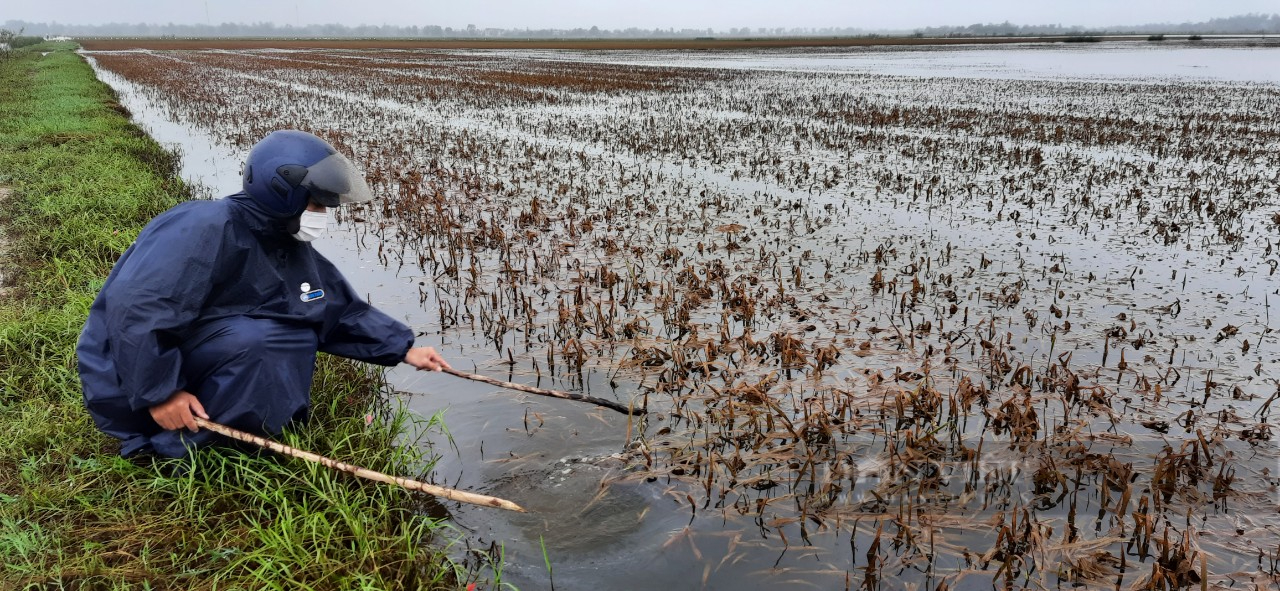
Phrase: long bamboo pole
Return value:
(545, 392)
(431, 489)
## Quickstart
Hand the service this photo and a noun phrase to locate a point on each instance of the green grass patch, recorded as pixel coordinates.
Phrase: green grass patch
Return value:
(83, 181)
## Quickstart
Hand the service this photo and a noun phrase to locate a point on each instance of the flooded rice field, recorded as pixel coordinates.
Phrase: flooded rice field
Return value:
(962, 318)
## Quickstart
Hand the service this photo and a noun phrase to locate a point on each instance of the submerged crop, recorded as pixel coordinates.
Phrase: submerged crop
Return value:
(887, 328)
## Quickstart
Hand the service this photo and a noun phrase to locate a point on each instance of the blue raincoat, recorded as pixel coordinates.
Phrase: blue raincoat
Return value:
(215, 297)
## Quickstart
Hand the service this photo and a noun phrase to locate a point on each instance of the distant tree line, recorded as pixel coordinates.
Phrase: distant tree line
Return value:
(399, 31)
(1242, 24)
(1245, 24)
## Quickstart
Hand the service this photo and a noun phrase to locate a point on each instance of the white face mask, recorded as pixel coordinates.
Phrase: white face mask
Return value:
(312, 225)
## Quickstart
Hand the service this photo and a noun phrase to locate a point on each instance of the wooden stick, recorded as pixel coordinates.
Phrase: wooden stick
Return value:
(545, 392)
(431, 489)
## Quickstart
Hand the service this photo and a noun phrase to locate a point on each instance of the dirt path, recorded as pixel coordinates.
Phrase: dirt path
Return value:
(4, 246)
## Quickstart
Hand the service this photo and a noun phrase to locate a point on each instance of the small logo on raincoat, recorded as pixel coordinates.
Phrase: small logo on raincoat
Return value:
(309, 295)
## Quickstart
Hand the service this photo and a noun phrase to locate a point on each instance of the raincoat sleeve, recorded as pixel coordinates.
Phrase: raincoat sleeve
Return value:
(153, 297)
(356, 330)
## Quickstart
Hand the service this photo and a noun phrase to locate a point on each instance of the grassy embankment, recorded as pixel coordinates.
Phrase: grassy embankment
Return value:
(81, 182)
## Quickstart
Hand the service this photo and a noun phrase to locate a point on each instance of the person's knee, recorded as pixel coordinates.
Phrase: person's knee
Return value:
(243, 338)
(243, 356)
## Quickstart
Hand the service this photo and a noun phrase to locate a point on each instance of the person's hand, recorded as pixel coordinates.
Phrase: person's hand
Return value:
(425, 358)
(179, 411)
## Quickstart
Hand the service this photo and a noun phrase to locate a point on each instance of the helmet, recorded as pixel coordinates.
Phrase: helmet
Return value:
(288, 168)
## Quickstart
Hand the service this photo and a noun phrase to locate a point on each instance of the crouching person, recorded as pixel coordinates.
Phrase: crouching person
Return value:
(219, 308)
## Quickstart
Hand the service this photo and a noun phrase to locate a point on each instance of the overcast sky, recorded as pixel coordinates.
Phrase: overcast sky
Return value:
(619, 14)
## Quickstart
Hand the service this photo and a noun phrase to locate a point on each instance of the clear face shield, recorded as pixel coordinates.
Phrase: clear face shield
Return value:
(335, 181)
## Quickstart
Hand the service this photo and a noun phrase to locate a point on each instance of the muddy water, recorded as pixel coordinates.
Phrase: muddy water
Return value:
(605, 520)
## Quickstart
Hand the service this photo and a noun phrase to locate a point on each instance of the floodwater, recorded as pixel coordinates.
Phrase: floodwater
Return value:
(1111, 61)
(996, 209)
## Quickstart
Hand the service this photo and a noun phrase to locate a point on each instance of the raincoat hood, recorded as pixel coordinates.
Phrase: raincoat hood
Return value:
(259, 219)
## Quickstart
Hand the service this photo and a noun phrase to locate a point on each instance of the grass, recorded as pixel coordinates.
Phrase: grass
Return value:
(83, 182)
